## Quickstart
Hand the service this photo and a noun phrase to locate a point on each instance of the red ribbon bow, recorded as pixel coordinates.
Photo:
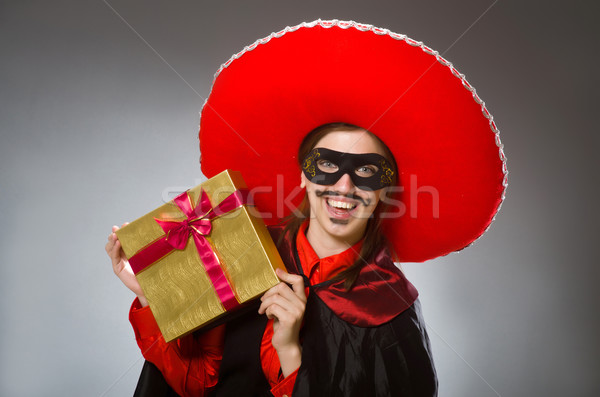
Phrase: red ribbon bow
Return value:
(198, 225)
(177, 232)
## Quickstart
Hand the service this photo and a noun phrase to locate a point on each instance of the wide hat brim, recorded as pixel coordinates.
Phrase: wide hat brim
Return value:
(265, 99)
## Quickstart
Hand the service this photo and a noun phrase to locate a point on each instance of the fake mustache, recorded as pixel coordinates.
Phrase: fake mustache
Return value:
(331, 193)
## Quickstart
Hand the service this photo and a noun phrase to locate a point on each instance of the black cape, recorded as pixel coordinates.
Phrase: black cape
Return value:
(338, 358)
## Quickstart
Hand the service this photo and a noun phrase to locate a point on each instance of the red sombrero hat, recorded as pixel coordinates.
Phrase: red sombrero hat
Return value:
(267, 97)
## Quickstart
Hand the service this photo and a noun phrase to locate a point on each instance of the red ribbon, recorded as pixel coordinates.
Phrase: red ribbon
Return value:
(198, 224)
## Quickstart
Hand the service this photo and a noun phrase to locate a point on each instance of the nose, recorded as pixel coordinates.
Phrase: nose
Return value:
(344, 185)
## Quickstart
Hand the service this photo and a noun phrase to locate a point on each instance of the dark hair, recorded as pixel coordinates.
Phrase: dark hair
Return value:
(374, 240)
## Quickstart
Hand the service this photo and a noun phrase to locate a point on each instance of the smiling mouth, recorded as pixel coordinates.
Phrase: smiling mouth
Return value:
(340, 211)
(341, 205)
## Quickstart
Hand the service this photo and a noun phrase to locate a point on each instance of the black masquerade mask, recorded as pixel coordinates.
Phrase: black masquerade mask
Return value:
(368, 171)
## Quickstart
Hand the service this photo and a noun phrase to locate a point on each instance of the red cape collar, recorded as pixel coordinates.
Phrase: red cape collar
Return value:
(381, 291)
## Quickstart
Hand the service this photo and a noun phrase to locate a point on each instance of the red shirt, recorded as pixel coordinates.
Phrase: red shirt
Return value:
(191, 364)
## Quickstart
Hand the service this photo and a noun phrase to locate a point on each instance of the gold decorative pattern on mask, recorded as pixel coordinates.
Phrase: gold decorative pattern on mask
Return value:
(310, 163)
(386, 177)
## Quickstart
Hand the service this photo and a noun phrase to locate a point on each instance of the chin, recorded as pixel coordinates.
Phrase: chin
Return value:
(346, 229)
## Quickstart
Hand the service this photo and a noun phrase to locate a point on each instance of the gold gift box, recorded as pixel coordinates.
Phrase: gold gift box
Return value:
(179, 292)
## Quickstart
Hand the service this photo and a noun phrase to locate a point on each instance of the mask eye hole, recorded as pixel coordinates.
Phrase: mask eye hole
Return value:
(365, 171)
(327, 166)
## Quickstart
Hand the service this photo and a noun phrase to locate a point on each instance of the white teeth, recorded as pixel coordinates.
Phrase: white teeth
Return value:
(341, 204)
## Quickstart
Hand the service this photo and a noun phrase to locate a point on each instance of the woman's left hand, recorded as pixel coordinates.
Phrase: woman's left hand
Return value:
(286, 306)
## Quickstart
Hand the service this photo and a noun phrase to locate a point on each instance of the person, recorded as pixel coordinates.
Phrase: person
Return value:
(344, 321)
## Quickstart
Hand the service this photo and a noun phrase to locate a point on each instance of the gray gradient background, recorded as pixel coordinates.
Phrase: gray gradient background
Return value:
(95, 127)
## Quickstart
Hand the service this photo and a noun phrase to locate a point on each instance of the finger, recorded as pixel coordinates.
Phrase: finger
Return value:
(120, 252)
(295, 280)
(264, 305)
(116, 255)
(280, 301)
(275, 311)
(280, 288)
(285, 291)
(110, 243)
(292, 279)
(117, 248)
(118, 265)
(283, 317)
(113, 235)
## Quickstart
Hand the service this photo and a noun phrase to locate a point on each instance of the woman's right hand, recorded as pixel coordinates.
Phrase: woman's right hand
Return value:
(121, 266)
